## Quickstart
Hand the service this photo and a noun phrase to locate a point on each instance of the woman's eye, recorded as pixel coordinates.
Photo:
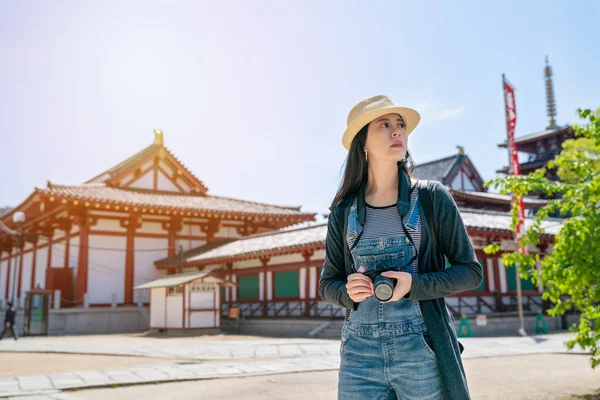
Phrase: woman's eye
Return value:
(385, 125)
(402, 125)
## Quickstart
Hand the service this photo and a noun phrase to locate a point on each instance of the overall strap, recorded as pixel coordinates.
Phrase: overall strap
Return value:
(425, 199)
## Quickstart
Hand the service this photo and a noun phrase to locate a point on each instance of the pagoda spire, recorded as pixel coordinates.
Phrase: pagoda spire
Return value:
(551, 104)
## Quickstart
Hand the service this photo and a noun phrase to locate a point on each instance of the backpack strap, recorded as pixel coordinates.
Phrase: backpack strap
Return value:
(425, 199)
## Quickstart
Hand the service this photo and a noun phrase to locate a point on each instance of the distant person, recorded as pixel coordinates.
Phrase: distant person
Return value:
(9, 321)
(387, 239)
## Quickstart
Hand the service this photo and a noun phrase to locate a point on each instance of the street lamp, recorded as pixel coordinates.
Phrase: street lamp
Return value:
(18, 218)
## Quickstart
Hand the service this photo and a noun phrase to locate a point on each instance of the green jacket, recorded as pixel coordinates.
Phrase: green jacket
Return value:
(429, 286)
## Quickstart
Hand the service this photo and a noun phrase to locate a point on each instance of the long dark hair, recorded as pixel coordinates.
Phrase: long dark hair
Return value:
(356, 172)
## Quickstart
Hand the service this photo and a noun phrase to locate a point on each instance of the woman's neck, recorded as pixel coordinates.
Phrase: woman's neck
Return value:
(382, 184)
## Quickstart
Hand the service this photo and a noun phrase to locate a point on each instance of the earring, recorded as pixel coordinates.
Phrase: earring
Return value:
(366, 156)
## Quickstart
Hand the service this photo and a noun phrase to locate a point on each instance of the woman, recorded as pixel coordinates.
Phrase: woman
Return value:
(387, 239)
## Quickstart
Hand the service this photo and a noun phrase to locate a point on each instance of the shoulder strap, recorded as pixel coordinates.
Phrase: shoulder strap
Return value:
(425, 200)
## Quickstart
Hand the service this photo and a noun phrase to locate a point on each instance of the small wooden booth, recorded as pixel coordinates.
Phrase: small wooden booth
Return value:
(37, 305)
(186, 301)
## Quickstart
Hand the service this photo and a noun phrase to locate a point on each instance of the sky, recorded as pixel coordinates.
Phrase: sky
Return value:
(253, 96)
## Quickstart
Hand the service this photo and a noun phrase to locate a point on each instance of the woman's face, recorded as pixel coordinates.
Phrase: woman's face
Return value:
(387, 138)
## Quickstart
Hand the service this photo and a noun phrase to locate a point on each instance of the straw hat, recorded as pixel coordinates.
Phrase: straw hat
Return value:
(373, 108)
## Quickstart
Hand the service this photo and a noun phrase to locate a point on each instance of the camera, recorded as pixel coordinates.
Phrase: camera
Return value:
(382, 285)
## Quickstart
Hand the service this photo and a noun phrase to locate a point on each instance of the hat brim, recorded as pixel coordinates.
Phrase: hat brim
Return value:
(411, 120)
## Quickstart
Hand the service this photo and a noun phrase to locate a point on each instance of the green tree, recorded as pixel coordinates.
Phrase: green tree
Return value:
(571, 272)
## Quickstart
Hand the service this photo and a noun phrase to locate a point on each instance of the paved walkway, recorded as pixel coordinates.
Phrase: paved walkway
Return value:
(227, 359)
(189, 349)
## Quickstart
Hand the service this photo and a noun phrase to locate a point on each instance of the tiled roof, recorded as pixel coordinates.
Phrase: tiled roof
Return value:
(437, 170)
(138, 157)
(500, 221)
(256, 244)
(536, 135)
(180, 279)
(101, 193)
(172, 280)
(496, 197)
(291, 239)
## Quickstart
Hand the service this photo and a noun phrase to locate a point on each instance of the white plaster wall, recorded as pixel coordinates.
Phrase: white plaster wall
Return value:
(188, 244)
(227, 290)
(174, 311)
(197, 243)
(269, 285)
(106, 269)
(165, 167)
(260, 286)
(313, 282)
(302, 282)
(146, 165)
(202, 319)
(286, 259)
(502, 272)
(157, 308)
(234, 294)
(74, 254)
(26, 275)
(227, 232)
(192, 230)
(202, 300)
(538, 265)
(490, 274)
(58, 255)
(165, 184)
(3, 272)
(455, 184)
(468, 184)
(246, 264)
(144, 269)
(184, 185)
(109, 225)
(41, 264)
(319, 255)
(151, 227)
(146, 181)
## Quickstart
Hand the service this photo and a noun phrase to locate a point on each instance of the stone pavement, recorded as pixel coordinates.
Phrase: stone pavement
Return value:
(227, 359)
(186, 349)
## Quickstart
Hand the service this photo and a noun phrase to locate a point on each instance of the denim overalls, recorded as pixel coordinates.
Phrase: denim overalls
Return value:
(384, 354)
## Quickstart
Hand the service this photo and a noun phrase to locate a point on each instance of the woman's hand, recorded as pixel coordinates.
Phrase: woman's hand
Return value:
(359, 286)
(403, 284)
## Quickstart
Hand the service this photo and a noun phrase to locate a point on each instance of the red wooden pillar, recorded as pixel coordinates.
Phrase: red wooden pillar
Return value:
(264, 261)
(7, 295)
(34, 240)
(21, 246)
(229, 290)
(172, 227)
(65, 225)
(82, 265)
(131, 224)
(307, 254)
(210, 229)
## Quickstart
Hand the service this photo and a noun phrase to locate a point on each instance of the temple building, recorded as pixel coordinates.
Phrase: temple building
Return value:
(95, 241)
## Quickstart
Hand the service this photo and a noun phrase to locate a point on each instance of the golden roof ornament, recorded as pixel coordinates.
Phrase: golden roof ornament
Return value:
(158, 137)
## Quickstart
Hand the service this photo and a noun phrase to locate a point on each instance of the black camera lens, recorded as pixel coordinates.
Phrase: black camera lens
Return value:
(384, 288)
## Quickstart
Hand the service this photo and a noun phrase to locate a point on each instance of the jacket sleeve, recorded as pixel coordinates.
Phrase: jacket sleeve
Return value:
(332, 283)
(464, 272)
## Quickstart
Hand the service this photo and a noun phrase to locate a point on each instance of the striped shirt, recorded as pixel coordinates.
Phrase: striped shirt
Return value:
(385, 221)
